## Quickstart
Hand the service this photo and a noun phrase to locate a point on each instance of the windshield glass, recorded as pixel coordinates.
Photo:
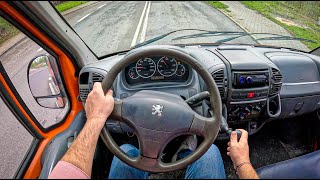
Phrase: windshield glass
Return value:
(113, 26)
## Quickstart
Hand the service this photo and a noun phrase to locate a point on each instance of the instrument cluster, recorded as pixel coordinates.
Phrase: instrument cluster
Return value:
(156, 69)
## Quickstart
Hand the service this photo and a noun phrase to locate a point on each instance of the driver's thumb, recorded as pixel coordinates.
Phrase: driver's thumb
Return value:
(233, 137)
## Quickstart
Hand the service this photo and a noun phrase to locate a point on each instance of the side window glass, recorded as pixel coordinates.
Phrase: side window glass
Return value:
(35, 74)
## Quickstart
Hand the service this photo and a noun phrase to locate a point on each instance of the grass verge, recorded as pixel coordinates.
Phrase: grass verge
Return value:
(218, 5)
(68, 5)
(7, 30)
(272, 9)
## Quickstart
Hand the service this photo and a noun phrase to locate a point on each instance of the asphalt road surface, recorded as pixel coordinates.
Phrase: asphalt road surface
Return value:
(115, 26)
(39, 82)
(106, 27)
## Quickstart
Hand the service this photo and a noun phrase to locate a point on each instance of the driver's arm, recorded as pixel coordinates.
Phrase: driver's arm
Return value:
(77, 162)
(239, 153)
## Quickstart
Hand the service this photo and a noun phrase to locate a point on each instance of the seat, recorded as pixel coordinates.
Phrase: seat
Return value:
(303, 167)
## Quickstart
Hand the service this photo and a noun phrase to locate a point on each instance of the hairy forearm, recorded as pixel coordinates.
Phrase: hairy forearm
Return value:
(81, 152)
(247, 172)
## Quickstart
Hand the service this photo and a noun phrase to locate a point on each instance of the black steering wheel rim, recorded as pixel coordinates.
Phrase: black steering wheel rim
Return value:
(208, 127)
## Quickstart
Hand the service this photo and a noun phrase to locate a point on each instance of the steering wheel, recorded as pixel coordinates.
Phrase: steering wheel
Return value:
(158, 117)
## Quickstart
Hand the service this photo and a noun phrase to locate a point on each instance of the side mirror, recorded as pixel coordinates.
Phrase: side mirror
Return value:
(45, 83)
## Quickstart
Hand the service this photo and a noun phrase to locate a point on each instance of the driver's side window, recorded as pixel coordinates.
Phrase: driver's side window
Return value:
(34, 73)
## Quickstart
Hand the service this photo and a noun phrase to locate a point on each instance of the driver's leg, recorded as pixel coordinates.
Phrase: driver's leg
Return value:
(209, 166)
(120, 170)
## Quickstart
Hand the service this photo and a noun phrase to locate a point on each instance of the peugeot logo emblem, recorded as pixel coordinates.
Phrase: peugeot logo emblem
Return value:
(157, 109)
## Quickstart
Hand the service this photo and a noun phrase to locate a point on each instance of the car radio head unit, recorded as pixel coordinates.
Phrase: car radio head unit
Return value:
(243, 80)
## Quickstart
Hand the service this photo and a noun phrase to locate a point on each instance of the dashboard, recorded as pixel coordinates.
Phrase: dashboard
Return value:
(256, 84)
(156, 69)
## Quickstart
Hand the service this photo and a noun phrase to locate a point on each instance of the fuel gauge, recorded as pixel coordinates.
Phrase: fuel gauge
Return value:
(180, 70)
(132, 73)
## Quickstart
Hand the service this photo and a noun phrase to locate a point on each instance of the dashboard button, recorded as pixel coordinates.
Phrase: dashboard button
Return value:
(250, 95)
(243, 95)
(235, 95)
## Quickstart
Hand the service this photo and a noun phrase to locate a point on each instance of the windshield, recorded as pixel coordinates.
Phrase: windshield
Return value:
(113, 26)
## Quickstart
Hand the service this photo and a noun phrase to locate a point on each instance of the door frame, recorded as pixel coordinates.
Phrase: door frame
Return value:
(31, 166)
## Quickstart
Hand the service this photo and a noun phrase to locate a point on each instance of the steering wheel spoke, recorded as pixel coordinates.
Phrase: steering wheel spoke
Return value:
(117, 110)
(152, 142)
(202, 125)
(148, 161)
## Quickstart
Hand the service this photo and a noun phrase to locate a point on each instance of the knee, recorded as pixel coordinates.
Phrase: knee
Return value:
(130, 150)
(213, 152)
(214, 149)
(126, 147)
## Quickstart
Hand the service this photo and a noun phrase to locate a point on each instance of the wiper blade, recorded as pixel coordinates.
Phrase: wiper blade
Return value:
(286, 38)
(207, 32)
(241, 34)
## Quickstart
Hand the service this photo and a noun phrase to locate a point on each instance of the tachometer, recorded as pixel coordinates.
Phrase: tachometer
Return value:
(167, 66)
(146, 67)
(180, 70)
(132, 73)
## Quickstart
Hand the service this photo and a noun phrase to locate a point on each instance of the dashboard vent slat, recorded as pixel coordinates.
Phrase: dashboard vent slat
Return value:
(218, 77)
(84, 94)
(97, 77)
(276, 81)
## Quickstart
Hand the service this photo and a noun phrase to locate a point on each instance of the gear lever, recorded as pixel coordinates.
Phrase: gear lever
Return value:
(224, 127)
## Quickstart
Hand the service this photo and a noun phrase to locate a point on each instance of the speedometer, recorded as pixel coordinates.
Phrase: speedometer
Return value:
(167, 66)
(146, 67)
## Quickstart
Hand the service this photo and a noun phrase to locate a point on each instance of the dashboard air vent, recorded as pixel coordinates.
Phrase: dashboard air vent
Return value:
(275, 81)
(97, 77)
(218, 77)
(84, 93)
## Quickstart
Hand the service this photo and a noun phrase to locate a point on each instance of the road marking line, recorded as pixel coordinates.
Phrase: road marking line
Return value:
(40, 49)
(84, 17)
(145, 23)
(135, 37)
(101, 6)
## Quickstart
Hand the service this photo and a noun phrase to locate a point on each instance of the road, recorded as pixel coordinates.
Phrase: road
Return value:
(106, 27)
(116, 26)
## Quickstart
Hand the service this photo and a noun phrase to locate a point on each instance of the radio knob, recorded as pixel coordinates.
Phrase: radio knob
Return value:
(242, 115)
(247, 110)
(249, 79)
(242, 80)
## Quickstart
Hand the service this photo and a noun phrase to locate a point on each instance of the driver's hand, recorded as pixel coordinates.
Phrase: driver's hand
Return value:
(99, 105)
(238, 151)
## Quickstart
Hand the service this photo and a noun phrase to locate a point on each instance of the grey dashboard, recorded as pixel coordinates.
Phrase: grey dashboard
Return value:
(256, 84)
